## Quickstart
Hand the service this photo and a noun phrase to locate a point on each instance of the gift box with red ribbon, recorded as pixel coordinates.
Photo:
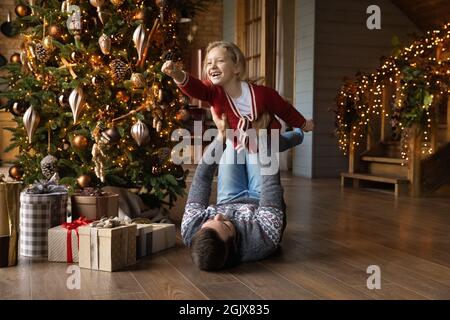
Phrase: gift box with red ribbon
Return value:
(63, 241)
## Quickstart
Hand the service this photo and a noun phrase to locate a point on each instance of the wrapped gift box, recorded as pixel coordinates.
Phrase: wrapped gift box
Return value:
(154, 237)
(9, 222)
(144, 240)
(94, 207)
(163, 236)
(63, 241)
(38, 213)
(107, 249)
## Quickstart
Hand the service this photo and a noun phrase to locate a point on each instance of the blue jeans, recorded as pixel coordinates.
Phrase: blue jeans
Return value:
(239, 172)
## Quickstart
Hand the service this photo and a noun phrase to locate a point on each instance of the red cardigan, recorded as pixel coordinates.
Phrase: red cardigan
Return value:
(264, 99)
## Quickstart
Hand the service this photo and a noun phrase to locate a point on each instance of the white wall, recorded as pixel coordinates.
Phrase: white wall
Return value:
(229, 20)
(342, 46)
(304, 81)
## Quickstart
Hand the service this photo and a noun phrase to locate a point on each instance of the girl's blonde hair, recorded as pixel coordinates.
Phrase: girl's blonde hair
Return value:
(235, 53)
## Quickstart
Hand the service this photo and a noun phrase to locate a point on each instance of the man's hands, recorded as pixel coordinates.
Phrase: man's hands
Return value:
(172, 70)
(262, 122)
(221, 124)
(309, 125)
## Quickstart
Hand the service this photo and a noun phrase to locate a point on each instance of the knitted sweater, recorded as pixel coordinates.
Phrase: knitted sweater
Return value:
(259, 225)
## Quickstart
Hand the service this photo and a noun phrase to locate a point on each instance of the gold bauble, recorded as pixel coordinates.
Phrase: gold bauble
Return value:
(84, 181)
(56, 31)
(117, 2)
(48, 43)
(22, 10)
(122, 96)
(16, 172)
(139, 14)
(80, 142)
(15, 58)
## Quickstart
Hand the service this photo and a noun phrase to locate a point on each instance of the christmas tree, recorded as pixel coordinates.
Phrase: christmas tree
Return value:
(89, 98)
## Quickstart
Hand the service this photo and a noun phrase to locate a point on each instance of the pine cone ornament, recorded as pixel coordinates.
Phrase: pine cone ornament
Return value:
(42, 54)
(118, 70)
(48, 166)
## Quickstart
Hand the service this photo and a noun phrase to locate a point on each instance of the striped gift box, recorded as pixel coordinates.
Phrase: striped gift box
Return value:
(38, 213)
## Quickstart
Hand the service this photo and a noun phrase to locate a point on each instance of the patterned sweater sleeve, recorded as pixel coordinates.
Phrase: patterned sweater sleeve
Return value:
(195, 212)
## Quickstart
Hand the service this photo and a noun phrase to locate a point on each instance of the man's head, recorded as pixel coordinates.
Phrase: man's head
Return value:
(214, 246)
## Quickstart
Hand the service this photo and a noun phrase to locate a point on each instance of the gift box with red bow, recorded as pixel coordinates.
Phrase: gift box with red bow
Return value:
(63, 241)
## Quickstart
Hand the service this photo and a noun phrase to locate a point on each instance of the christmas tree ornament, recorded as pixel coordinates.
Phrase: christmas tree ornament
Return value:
(76, 102)
(8, 28)
(178, 172)
(99, 157)
(48, 43)
(63, 99)
(117, 3)
(140, 133)
(80, 142)
(183, 115)
(160, 95)
(155, 122)
(15, 172)
(159, 126)
(122, 96)
(18, 108)
(49, 166)
(3, 60)
(156, 170)
(139, 36)
(111, 135)
(105, 44)
(42, 54)
(15, 58)
(65, 6)
(139, 15)
(32, 3)
(98, 4)
(119, 70)
(84, 181)
(76, 56)
(22, 10)
(138, 80)
(31, 121)
(97, 81)
(74, 24)
(56, 31)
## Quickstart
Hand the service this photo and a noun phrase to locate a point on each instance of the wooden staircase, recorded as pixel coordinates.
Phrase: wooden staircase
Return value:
(377, 163)
(381, 168)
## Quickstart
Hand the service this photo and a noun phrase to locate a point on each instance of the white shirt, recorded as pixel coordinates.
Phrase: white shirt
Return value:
(244, 102)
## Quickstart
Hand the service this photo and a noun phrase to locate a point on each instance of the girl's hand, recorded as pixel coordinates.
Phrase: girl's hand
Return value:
(309, 125)
(171, 69)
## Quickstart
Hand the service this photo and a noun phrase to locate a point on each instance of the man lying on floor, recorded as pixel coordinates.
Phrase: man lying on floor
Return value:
(241, 230)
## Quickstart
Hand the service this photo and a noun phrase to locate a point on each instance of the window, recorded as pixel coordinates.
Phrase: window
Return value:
(256, 29)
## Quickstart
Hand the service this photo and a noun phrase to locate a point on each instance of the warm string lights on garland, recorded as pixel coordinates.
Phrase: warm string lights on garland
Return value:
(419, 74)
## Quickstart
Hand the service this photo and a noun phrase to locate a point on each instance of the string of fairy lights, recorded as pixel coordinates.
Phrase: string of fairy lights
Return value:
(422, 67)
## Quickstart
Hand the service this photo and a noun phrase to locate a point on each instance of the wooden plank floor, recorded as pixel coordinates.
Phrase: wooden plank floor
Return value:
(333, 235)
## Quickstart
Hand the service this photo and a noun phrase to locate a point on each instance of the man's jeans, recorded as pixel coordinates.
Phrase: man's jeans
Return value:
(240, 173)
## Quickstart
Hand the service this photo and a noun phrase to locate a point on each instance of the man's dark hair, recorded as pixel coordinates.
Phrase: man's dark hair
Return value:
(209, 252)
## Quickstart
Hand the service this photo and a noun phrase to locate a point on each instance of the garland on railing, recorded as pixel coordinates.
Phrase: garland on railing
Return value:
(421, 75)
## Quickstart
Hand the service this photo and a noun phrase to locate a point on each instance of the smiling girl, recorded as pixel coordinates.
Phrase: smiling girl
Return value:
(245, 106)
